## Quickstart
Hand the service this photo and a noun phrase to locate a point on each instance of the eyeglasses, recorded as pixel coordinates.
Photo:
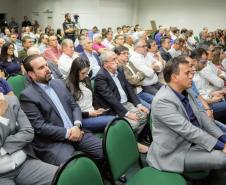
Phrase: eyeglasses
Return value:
(203, 62)
(124, 53)
(144, 46)
(114, 60)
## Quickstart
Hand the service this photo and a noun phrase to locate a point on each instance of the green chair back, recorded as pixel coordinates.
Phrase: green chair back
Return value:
(79, 170)
(18, 84)
(120, 147)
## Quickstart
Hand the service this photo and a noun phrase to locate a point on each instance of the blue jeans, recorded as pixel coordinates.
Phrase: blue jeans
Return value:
(219, 110)
(145, 99)
(96, 124)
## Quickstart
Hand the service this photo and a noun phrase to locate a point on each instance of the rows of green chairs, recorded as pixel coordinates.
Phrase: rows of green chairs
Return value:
(120, 148)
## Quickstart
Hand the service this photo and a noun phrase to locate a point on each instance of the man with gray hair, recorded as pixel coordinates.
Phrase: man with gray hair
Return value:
(176, 48)
(91, 56)
(143, 63)
(112, 91)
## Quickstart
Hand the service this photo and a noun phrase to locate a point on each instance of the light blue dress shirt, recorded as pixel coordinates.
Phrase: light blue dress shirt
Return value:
(56, 101)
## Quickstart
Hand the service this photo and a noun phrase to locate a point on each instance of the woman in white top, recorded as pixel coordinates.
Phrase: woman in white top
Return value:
(79, 85)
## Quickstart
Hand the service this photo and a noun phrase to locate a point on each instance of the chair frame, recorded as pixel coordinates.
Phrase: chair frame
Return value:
(64, 165)
(113, 122)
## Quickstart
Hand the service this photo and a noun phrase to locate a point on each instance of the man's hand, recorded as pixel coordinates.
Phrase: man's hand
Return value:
(97, 112)
(217, 98)
(209, 113)
(141, 108)
(156, 67)
(224, 150)
(3, 105)
(75, 134)
(132, 116)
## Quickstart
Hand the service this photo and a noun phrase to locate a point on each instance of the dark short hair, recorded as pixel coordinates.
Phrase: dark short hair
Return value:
(120, 49)
(197, 53)
(149, 42)
(163, 39)
(27, 62)
(172, 67)
(24, 39)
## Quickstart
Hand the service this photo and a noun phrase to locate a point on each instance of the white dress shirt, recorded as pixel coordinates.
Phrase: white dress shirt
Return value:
(94, 65)
(143, 63)
(64, 64)
(203, 85)
(108, 44)
(174, 53)
(210, 74)
(122, 93)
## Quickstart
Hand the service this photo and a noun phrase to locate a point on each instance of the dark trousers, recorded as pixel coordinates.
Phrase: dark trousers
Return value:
(152, 89)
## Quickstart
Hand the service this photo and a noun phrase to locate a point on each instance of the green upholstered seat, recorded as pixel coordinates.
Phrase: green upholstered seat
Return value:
(120, 148)
(18, 84)
(79, 170)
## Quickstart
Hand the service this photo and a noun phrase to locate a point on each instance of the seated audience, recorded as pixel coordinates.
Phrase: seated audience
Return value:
(156, 59)
(13, 40)
(164, 49)
(159, 35)
(97, 46)
(196, 143)
(56, 118)
(43, 42)
(129, 43)
(55, 73)
(5, 88)
(91, 56)
(79, 47)
(119, 40)
(143, 63)
(9, 64)
(176, 48)
(53, 51)
(68, 55)
(26, 43)
(108, 41)
(2, 42)
(213, 97)
(79, 86)
(18, 164)
(134, 76)
(112, 91)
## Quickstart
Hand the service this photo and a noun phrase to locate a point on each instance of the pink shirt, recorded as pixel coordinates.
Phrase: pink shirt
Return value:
(52, 54)
(96, 47)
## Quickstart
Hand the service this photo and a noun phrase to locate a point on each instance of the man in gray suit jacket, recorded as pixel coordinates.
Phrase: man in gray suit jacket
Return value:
(184, 138)
(17, 166)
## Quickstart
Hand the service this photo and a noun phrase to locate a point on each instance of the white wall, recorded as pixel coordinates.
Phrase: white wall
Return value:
(193, 14)
(102, 13)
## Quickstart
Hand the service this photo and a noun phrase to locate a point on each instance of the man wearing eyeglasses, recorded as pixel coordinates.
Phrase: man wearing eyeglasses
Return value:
(215, 98)
(143, 63)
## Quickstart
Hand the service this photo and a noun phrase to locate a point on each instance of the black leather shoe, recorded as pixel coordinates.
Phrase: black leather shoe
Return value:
(145, 140)
(123, 179)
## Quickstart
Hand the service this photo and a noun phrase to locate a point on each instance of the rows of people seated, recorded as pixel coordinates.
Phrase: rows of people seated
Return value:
(76, 86)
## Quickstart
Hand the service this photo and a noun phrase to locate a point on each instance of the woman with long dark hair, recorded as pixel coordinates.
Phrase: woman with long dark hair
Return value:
(9, 64)
(79, 85)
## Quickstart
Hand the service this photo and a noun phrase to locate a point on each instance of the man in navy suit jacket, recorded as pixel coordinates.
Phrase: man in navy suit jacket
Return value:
(113, 91)
(91, 56)
(55, 116)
